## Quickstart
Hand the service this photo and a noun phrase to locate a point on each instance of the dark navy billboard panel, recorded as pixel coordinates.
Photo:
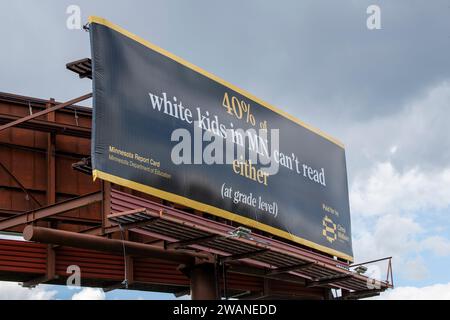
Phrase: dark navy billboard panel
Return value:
(163, 126)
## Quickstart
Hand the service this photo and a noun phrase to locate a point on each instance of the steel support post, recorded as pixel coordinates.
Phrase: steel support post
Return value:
(203, 282)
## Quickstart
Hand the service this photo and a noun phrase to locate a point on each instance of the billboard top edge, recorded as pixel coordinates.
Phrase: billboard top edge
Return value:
(105, 22)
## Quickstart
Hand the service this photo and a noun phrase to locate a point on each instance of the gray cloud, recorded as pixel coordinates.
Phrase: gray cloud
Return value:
(314, 58)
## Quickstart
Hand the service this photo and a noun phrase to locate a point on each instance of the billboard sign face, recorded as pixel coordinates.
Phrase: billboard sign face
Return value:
(163, 126)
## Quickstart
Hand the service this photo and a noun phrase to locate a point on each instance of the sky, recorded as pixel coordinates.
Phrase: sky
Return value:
(384, 93)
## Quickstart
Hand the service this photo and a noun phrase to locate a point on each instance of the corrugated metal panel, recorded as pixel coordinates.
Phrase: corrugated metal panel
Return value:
(23, 257)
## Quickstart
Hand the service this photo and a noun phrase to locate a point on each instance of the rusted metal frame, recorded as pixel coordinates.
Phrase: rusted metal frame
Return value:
(255, 296)
(83, 166)
(116, 228)
(82, 67)
(132, 225)
(61, 219)
(228, 250)
(182, 293)
(84, 241)
(203, 282)
(297, 267)
(46, 126)
(46, 111)
(224, 279)
(63, 154)
(185, 243)
(50, 270)
(127, 213)
(38, 103)
(200, 223)
(6, 213)
(211, 250)
(361, 294)
(116, 286)
(48, 211)
(39, 191)
(328, 280)
(371, 261)
(245, 255)
(106, 204)
(51, 161)
(207, 225)
(266, 287)
(318, 272)
(389, 275)
(51, 189)
(307, 258)
(17, 181)
(262, 273)
(283, 261)
(241, 295)
(230, 243)
(390, 272)
(73, 220)
(179, 234)
(194, 221)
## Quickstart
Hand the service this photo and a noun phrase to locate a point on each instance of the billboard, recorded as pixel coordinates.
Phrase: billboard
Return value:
(164, 126)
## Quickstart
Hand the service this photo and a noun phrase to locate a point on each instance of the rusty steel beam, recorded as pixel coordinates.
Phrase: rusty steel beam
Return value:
(99, 230)
(196, 241)
(51, 159)
(106, 204)
(58, 153)
(44, 112)
(36, 102)
(203, 282)
(297, 267)
(17, 181)
(48, 211)
(59, 219)
(115, 215)
(369, 262)
(245, 255)
(85, 241)
(261, 273)
(361, 294)
(116, 286)
(82, 67)
(35, 282)
(328, 280)
(48, 126)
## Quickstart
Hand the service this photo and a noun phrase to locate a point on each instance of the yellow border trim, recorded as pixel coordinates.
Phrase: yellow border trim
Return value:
(215, 211)
(102, 21)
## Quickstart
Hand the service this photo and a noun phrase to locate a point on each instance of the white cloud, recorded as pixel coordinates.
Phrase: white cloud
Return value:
(439, 245)
(13, 291)
(389, 235)
(415, 136)
(406, 183)
(387, 191)
(388, 207)
(433, 292)
(89, 294)
(415, 269)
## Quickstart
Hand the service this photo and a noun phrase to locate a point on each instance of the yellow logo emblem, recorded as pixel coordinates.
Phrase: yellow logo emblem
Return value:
(329, 229)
